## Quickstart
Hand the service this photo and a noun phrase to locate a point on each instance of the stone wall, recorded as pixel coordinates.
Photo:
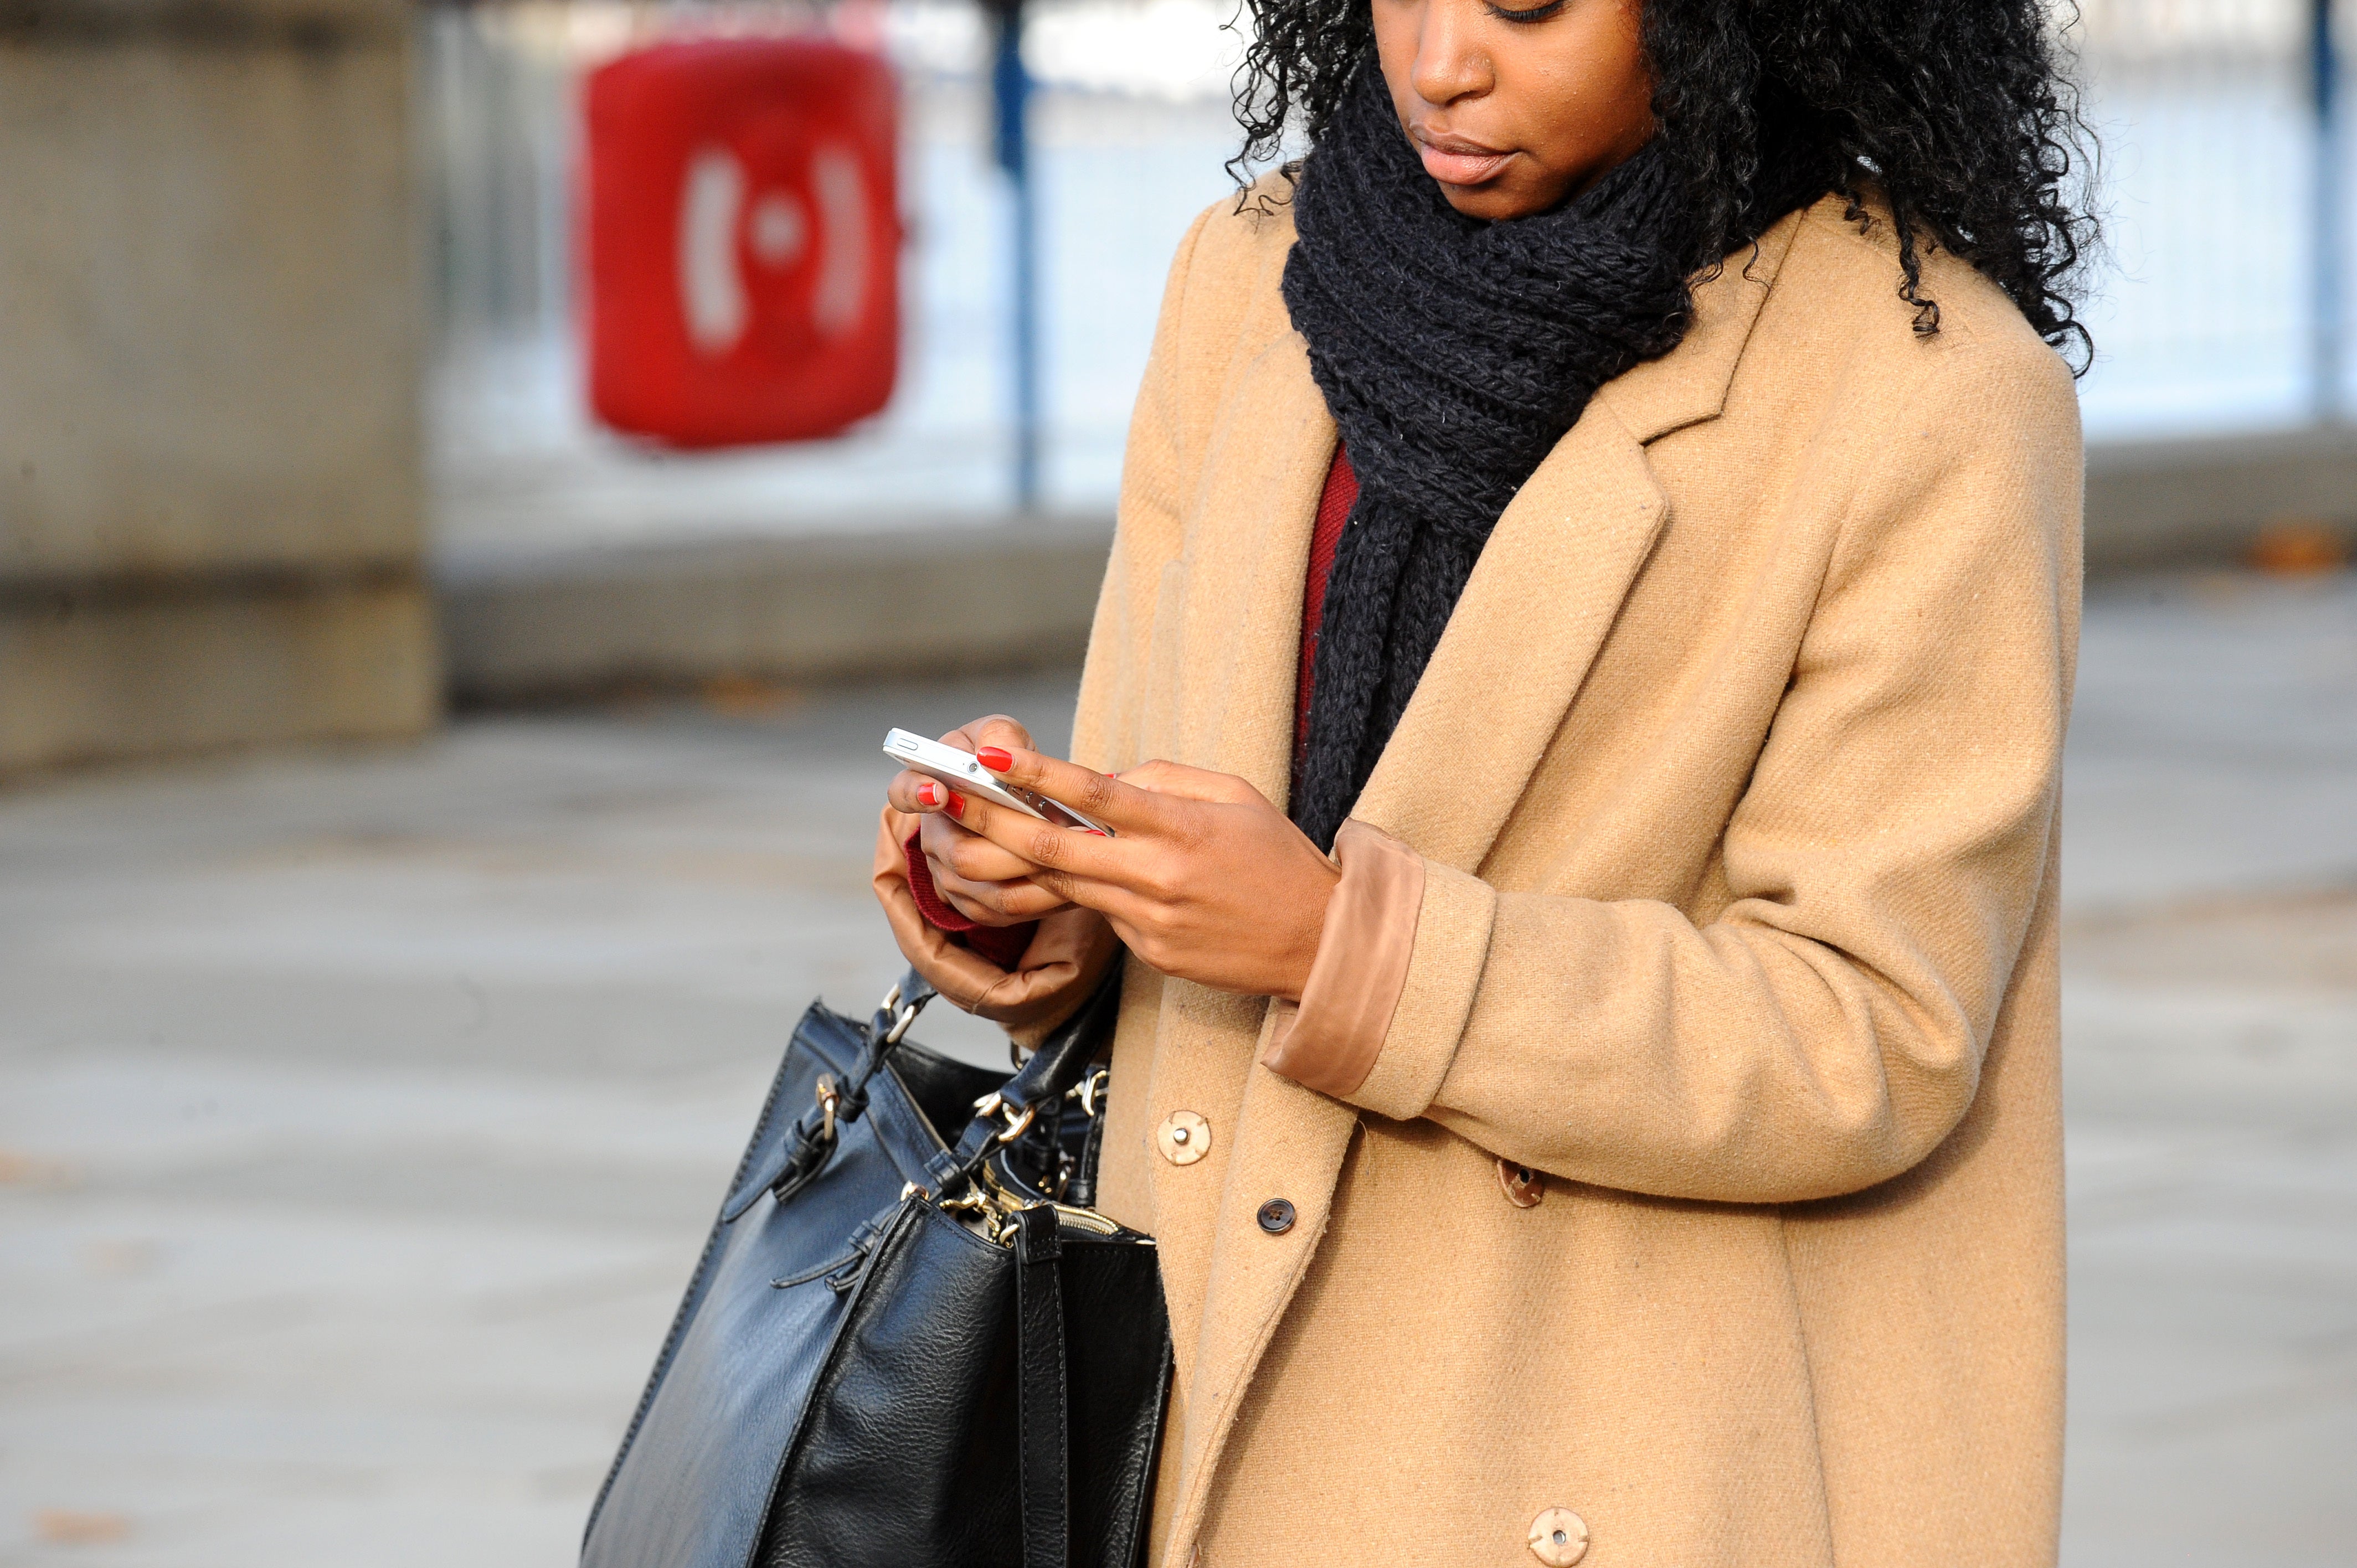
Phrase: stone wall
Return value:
(211, 505)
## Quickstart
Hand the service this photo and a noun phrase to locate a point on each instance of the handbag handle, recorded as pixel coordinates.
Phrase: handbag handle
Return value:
(813, 1138)
(1063, 1059)
(1054, 1070)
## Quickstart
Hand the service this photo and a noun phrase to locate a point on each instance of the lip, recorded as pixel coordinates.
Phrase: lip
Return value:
(1455, 160)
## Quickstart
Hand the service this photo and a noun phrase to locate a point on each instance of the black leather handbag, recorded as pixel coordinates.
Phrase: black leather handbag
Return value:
(910, 1339)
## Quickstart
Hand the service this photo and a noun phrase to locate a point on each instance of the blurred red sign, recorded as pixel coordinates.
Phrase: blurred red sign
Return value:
(741, 239)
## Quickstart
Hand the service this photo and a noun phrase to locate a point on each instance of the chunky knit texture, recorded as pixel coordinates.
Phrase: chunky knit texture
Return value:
(1453, 354)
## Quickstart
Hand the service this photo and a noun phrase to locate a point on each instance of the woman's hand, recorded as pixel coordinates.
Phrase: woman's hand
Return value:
(1207, 881)
(1065, 956)
(975, 878)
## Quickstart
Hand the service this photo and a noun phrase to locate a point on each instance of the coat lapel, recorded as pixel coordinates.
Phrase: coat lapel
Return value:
(1548, 585)
(1246, 558)
(1537, 607)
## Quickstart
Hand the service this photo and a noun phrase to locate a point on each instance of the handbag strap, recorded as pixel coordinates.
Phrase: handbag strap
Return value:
(1043, 1462)
(813, 1138)
(1063, 1059)
(1080, 1186)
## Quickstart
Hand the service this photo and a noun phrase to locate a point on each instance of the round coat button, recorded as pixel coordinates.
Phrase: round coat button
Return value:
(1525, 1188)
(1183, 1137)
(1559, 1538)
(1276, 1216)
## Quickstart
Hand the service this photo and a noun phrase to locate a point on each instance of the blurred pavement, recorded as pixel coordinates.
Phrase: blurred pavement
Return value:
(361, 1114)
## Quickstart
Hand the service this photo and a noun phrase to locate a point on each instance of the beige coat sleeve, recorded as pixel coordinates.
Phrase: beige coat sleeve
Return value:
(1824, 1032)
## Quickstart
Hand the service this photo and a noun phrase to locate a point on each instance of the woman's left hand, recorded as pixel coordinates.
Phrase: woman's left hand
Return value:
(1207, 881)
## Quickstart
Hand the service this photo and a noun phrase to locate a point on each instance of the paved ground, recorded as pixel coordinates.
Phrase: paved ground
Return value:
(359, 1115)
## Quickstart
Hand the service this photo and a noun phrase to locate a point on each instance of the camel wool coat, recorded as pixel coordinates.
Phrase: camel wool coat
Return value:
(1735, 781)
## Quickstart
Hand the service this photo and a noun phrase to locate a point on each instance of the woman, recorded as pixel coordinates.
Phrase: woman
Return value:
(1636, 1142)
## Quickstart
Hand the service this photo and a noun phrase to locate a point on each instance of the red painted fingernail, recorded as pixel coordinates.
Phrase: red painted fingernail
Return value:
(929, 795)
(957, 804)
(995, 759)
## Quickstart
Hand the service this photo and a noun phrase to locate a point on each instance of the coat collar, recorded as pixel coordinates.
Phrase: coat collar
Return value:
(1689, 384)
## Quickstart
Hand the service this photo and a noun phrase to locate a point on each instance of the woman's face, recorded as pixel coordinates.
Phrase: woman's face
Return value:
(1516, 106)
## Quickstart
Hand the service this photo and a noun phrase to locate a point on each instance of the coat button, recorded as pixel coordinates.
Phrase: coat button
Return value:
(1183, 1137)
(1276, 1217)
(1559, 1538)
(1525, 1187)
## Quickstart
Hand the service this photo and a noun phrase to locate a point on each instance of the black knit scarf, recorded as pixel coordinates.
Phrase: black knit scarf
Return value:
(1454, 354)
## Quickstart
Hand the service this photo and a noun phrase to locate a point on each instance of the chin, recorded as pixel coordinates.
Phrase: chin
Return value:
(1491, 203)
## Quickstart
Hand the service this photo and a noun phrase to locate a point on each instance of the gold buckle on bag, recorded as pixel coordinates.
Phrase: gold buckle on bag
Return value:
(995, 1104)
(901, 1016)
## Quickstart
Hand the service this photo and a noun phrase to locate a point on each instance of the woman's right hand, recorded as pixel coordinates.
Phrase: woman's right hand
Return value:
(981, 881)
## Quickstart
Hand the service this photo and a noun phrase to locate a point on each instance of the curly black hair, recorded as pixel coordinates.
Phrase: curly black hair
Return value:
(1959, 112)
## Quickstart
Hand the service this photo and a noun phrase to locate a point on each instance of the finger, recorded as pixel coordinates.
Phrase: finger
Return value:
(962, 904)
(1121, 807)
(998, 730)
(970, 857)
(1015, 898)
(1042, 843)
(991, 729)
(915, 794)
(980, 911)
(974, 815)
(1192, 783)
(964, 867)
(1026, 900)
(1000, 903)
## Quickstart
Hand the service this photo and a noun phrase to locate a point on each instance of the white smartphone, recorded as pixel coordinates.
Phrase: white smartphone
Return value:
(961, 771)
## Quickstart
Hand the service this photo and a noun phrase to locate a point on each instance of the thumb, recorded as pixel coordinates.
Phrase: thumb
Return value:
(991, 729)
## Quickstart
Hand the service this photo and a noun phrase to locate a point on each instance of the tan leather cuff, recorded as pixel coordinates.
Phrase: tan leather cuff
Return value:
(1054, 975)
(962, 977)
(1330, 1043)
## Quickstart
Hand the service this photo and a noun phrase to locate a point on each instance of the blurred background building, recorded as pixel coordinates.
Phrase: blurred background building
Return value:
(293, 440)
(213, 510)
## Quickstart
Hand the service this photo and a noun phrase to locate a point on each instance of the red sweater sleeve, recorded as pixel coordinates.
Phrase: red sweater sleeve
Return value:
(1334, 504)
(1001, 945)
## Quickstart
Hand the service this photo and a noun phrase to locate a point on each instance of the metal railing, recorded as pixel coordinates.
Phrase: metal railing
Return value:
(2217, 308)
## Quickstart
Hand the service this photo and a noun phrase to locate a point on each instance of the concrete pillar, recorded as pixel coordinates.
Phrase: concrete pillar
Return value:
(212, 498)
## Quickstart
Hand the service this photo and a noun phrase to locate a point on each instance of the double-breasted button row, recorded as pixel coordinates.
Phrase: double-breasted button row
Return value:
(1185, 1137)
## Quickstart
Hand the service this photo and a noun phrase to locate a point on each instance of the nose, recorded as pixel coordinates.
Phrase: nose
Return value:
(1450, 61)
